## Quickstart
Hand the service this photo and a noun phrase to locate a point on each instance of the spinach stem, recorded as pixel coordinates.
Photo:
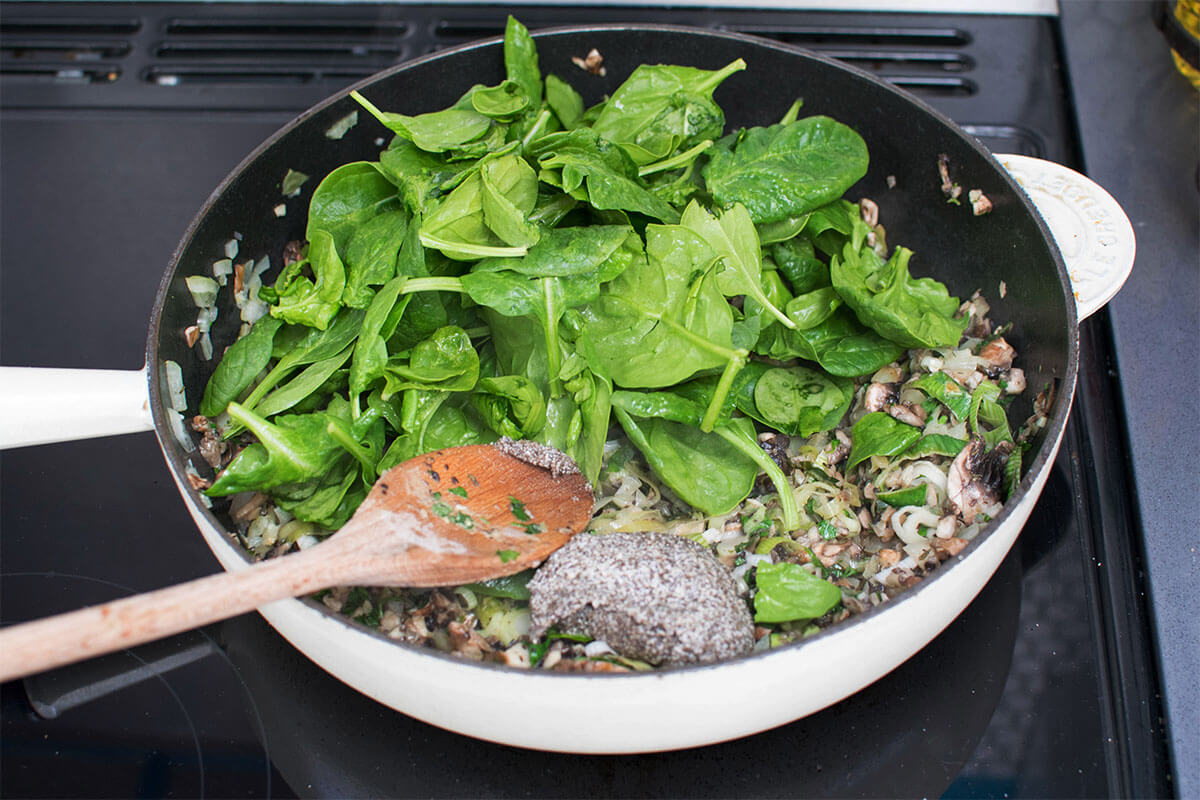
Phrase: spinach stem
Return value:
(550, 328)
(473, 250)
(348, 443)
(787, 500)
(732, 368)
(677, 160)
(442, 284)
(720, 75)
(542, 119)
(369, 106)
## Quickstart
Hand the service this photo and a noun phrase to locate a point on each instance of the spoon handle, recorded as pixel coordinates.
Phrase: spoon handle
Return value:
(36, 646)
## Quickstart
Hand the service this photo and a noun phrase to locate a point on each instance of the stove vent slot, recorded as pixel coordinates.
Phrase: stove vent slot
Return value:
(66, 49)
(451, 32)
(234, 51)
(924, 60)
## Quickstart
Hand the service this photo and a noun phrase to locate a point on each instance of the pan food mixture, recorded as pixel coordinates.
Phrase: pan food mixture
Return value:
(783, 427)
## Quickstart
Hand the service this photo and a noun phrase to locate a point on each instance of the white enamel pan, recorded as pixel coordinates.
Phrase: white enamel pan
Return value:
(1010, 254)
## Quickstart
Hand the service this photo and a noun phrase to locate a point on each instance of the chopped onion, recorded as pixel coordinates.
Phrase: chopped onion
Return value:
(206, 318)
(206, 346)
(179, 430)
(599, 647)
(338, 129)
(231, 248)
(173, 378)
(222, 269)
(204, 290)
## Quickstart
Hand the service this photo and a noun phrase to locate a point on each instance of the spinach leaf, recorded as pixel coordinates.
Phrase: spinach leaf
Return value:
(346, 199)
(573, 251)
(463, 225)
(436, 132)
(934, 444)
(783, 230)
(445, 361)
(242, 363)
(511, 405)
(564, 101)
(504, 101)
(304, 301)
(797, 401)
(878, 434)
(419, 177)
(788, 592)
(311, 380)
(291, 449)
(370, 348)
(838, 343)
(371, 256)
(910, 312)
(912, 496)
(733, 238)
(521, 61)
(797, 261)
(660, 108)
(568, 159)
(663, 319)
(947, 391)
(785, 170)
(329, 500)
(705, 470)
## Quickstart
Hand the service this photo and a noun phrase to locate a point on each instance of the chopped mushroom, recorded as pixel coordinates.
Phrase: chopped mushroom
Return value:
(980, 204)
(880, 396)
(975, 477)
(998, 353)
(886, 397)
(593, 62)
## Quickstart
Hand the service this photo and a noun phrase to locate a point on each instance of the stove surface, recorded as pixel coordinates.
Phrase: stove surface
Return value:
(119, 119)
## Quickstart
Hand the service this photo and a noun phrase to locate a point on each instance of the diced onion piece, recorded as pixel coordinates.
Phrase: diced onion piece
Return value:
(205, 319)
(280, 210)
(179, 430)
(222, 269)
(596, 648)
(338, 129)
(231, 249)
(204, 290)
(206, 346)
(253, 309)
(173, 378)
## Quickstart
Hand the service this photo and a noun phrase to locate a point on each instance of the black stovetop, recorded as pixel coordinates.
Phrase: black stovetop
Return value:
(119, 119)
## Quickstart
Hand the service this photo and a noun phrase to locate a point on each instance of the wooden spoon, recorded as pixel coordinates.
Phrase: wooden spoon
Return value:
(449, 517)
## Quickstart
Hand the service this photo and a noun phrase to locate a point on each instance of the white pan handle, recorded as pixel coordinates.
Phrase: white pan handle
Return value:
(1092, 231)
(39, 406)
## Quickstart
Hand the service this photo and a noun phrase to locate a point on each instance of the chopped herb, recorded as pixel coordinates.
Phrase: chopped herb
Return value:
(532, 528)
(459, 490)
(518, 509)
(507, 555)
(462, 520)
(827, 530)
(441, 508)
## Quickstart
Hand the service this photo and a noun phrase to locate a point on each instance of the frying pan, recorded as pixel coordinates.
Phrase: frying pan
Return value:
(1010, 254)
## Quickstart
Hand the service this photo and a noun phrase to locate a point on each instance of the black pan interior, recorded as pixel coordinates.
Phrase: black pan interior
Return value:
(1006, 254)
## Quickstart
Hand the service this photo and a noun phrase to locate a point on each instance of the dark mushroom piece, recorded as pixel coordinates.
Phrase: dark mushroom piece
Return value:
(975, 477)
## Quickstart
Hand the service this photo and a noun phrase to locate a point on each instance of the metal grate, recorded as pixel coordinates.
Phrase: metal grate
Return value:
(925, 60)
(66, 49)
(247, 51)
